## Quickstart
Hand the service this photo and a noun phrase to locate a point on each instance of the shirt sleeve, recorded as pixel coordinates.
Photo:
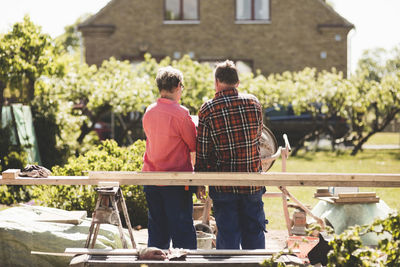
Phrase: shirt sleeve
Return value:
(203, 146)
(188, 131)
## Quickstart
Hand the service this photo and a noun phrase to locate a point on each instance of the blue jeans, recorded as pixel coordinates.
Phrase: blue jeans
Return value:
(170, 217)
(240, 220)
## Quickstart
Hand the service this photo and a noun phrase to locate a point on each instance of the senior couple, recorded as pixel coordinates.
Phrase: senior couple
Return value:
(227, 140)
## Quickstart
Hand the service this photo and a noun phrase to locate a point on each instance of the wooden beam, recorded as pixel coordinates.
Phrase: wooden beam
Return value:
(215, 178)
(51, 180)
(79, 251)
(357, 194)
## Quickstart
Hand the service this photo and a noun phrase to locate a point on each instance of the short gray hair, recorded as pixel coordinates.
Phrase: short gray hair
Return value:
(168, 78)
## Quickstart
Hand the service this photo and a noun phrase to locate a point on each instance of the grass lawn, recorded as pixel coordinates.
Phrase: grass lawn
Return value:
(384, 139)
(368, 161)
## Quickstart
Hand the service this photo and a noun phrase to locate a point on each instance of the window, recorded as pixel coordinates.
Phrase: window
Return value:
(181, 10)
(252, 10)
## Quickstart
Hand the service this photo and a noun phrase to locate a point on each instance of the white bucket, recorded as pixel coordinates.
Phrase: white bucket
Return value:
(204, 240)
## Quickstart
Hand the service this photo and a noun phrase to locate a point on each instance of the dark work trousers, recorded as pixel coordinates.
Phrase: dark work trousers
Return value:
(170, 217)
(240, 220)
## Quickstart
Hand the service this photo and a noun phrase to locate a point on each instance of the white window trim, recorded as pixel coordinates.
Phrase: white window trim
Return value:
(252, 21)
(181, 22)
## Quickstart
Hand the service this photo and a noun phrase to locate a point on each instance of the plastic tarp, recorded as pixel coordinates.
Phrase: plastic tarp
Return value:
(20, 118)
(343, 216)
(21, 232)
(7, 119)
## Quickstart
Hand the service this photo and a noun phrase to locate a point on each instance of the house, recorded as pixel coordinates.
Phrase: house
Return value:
(270, 35)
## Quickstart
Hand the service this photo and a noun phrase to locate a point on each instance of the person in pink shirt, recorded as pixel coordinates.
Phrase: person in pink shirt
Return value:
(171, 136)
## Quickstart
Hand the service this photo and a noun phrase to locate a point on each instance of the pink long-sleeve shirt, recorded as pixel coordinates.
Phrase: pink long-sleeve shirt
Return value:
(171, 136)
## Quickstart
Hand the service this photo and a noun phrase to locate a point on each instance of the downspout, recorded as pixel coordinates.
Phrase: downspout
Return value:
(349, 52)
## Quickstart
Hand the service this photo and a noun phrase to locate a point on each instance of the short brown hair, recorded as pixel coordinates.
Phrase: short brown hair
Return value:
(168, 78)
(226, 72)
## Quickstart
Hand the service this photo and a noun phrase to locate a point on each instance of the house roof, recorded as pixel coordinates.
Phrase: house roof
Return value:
(91, 20)
(345, 24)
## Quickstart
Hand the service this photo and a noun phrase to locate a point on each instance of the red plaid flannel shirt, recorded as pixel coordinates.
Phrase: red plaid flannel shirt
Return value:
(228, 137)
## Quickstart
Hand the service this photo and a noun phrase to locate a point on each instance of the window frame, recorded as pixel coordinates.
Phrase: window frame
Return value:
(253, 19)
(181, 19)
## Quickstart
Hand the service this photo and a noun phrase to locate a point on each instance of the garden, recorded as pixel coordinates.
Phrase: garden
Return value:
(68, 99)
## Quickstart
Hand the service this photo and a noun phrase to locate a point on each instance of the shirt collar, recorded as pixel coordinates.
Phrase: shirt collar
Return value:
(166, 101)
(227, 92)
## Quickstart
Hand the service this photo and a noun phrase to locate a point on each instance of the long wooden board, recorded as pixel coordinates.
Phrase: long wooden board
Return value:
(357, 194)
(79, 251)
(356, 200)
(214, 178)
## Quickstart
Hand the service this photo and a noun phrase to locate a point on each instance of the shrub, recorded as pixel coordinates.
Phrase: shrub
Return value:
(347, 249)
(12, 156)
(107, 156)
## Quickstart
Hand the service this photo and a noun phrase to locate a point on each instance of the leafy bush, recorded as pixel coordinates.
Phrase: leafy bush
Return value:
(11, 157)
(347, 249)
(107, 156)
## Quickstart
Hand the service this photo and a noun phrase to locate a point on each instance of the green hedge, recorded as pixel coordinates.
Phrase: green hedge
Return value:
(107, 156)
(12, 156)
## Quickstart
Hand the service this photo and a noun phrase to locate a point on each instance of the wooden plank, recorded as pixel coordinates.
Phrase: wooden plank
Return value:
(88, 251)
(73, 217)
(190, 261)
(11, 174)
(354, 200)
(208, 178)
(108, 184)
(357, 194)
(327, 199)
(51, 254)
(51, 180)
(316, 195)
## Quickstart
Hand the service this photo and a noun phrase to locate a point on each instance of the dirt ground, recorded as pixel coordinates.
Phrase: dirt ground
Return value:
(274, 239)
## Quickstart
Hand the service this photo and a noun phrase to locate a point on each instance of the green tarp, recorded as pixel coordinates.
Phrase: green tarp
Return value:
(30, 228)
(342, 216)
(19, 117)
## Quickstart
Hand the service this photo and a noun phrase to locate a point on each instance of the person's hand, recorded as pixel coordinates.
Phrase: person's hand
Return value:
(201, 192)
(152, 254)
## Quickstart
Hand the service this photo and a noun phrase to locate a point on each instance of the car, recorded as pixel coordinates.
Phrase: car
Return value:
(103, 130)
(282, 120)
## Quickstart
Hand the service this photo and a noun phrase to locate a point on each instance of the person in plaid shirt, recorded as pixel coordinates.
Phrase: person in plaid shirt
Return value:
(228, 140)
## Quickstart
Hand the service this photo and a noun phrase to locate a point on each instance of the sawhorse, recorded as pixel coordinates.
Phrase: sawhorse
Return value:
(110, 201)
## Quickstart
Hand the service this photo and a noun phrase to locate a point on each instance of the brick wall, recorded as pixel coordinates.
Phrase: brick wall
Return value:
(291, 41)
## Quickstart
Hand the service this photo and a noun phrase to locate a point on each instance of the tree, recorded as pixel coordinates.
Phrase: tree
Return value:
(378, 62)
(71, 39)
(322, 95)
(89, 93)
(28, 54)
(375, 106)
(376, 99)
